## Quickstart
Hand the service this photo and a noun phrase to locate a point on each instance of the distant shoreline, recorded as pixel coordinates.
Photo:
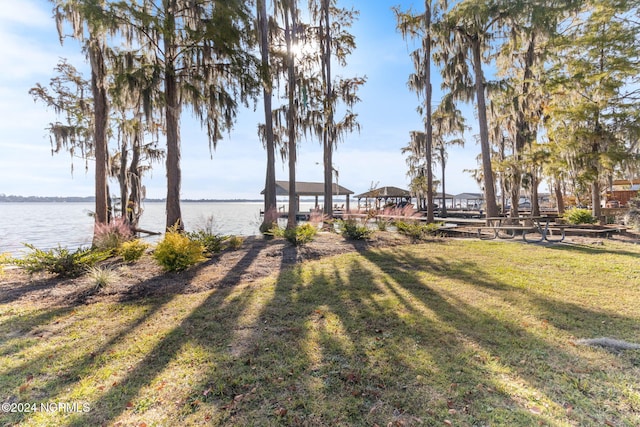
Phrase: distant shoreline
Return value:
(90, 199)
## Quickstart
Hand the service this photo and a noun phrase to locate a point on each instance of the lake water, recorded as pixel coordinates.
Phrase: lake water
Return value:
(47, 225)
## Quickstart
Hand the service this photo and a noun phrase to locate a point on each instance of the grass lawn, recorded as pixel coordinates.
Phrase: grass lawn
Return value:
(455, 332)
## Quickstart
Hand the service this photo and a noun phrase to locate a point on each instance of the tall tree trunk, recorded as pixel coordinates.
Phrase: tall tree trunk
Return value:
(135, 198)
(443, 164)
(172, 117)
(535, 204)
(595, 199)
(489, 186)
(270, 218)
(427, 119)
(523, 132)
(290, 39)
(557, 189)
(101, 111)
(329, 129)
(123, 178)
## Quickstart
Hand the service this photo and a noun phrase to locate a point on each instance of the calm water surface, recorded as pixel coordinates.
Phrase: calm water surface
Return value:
(47, 225)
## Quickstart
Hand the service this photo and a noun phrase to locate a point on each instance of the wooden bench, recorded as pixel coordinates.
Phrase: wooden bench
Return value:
(606, 232)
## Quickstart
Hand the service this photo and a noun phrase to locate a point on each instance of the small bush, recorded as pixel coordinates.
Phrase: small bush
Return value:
(413, 230)
(212, 243)
(60, 261)
(417, 231)
(132, 250)
(235, 242)
(102, 277)
(300, 235)
(353, 230)
(382, 224)
(4, 259)
(112, 235)
(176, 252)
(579, 216)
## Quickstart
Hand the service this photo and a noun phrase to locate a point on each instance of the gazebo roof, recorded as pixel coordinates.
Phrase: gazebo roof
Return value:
(384, 192)
(469, 196)
(309, 189)
(446, 195)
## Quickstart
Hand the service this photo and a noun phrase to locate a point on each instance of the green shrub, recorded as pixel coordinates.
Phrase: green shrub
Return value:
(235, 242)
(132, 250)
(4, 259)
(176, 252)
(417, 231)
(275, 231)
(60, 261)
(382, 223)
(579, 216)
(212, 243)
(112, 235)
(300, 235)
(413, 230)
(353, 230)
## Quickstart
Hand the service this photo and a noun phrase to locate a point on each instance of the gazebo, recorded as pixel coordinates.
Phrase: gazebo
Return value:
(395, 194)
(468, 201)
(307, 189)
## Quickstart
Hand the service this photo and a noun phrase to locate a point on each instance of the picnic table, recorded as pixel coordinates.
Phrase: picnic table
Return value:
(536, 226)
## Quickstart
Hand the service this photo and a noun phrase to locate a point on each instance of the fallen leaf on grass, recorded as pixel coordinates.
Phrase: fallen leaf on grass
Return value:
(535, 410)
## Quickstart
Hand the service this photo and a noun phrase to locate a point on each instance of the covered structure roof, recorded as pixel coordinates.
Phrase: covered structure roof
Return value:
(469, 196)
(309, 189)
(384, 193)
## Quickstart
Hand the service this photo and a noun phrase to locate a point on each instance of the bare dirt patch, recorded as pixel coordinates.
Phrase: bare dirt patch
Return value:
(256, 259)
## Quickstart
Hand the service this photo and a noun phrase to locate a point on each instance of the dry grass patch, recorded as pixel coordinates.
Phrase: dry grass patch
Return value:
(462, 332)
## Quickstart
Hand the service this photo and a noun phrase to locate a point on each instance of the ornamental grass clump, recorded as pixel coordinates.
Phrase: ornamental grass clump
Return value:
(102, 277)
(579, 216)
(112, 235)
(176, 252)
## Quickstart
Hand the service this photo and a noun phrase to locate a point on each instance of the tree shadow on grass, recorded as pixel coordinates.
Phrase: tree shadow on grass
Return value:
(355, 340)
(593, 249)
(114, 400)
(520, 348)
(374, 341)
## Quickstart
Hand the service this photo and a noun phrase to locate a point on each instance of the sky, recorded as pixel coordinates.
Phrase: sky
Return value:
(30, 50)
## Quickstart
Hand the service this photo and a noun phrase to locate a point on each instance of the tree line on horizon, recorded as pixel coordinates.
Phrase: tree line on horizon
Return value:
(561, 104)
